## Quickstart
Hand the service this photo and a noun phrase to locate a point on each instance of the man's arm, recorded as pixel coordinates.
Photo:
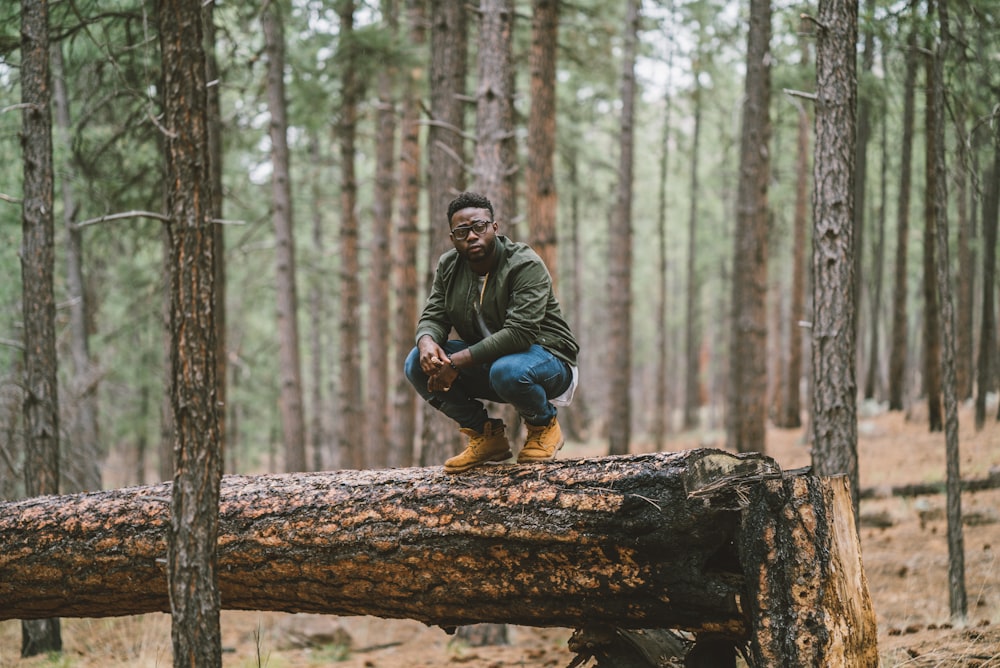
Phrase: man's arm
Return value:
(434, 321)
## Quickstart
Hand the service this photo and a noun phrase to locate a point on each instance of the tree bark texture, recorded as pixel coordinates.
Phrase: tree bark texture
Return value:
(746, 413)
(445, 134)
(619, 343)
(496, 148)
(194, 498)
(665, 540)
(791, 414)
(41, 398)
(216, 158)
(965, 289)
(351, 398)
(900, 327)
(445, 175)
(665, 349)
(166, 441)
(863, 138)
(692, 327)
(956, 543)
(379, 332)
(318, 298)
(932, 304)
(407, 233)
(289, 360)
(985, 376)
(791, 583)
(540, 184)
(878, 251)
(835, 424)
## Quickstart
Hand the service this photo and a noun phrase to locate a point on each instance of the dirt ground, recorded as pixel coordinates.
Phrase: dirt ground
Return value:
(904, 550)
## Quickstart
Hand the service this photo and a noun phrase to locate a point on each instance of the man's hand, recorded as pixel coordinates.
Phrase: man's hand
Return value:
(432, 356)
(436, 364)
(442, 380)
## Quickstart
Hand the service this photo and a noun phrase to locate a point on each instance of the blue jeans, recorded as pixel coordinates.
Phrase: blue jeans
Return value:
(525, 380)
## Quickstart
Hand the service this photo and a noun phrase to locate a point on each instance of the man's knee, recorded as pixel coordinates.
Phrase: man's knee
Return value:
(507, 375)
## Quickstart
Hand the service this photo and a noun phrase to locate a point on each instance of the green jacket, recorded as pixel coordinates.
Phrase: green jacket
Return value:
(517, 306)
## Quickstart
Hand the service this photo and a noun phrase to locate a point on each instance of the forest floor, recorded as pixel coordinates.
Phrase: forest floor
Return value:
(904, 551)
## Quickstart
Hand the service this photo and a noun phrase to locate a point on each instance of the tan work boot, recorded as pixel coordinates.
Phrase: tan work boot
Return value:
(542, 443)
(489, 446)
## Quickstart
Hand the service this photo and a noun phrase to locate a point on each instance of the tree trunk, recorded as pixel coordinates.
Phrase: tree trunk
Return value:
(835, 425)
(746, 415)
(966, 249)
(194, 497)
(376, 414)
(317, 297)
(350, 451)
(574, 418)
(863, 138)
(166, 442)
(408, 234)
(445, 175)
(956, 543)
(82, 469)
(619, 352)
(661, 408)
(540, 181)
(791, 416)
(446, 132)
(988, 323)
(11, 434)
(41, 398)
(692, 400)
(932, 318)
(215, 157)
(897, 354)
(661, 541)
(496, 149)
(290, 365)
(875, 329)
(407, 543)
(782, 518)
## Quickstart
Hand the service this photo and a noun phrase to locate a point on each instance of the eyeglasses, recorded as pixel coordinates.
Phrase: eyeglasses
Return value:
(478, 226)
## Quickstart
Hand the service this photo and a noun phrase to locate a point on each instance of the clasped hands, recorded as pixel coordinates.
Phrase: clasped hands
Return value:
(436, 363)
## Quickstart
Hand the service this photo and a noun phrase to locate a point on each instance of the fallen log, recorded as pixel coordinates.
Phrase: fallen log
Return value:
(991, 481)
(800, 533)
(660, 541)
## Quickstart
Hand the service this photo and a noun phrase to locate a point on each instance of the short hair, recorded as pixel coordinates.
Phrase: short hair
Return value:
(469, 200)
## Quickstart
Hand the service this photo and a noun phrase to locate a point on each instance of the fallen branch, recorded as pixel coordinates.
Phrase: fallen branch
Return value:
(992, 481)
(143, 214)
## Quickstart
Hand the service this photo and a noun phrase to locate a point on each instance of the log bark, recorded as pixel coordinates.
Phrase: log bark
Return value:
(800, 531)
(657, 541)
(612, 540)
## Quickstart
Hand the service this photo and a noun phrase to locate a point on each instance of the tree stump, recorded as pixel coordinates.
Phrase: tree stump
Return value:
(703, 542)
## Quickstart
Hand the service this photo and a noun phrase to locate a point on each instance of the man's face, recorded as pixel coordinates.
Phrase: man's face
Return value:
(479, 232)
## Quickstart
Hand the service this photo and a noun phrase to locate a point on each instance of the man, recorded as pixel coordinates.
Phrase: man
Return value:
(513, 344)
